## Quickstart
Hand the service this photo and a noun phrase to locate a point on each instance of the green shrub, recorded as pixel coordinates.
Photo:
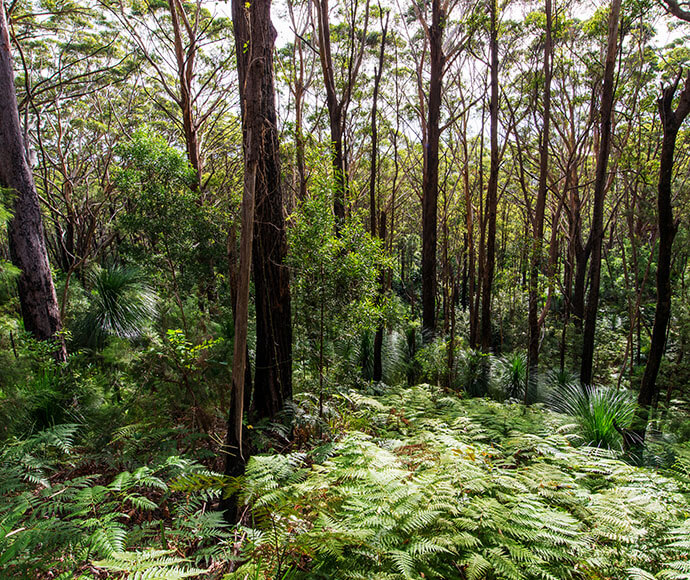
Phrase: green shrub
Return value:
(512, 374)
(598, 411)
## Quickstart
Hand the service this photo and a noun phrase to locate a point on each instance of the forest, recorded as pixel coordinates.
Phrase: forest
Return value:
(367, 289)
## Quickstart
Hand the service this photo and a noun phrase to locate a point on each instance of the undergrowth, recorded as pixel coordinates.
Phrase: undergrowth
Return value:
(413, 483)
(432, 486)
(52, 526)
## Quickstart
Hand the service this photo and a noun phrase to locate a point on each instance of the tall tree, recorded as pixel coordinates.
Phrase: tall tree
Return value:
(373, 202)
(492, 187)
(254, 40)
(37, 296)
(671, 121)
(538, 224)
(597, 232)
(337, 104)
(430, 178)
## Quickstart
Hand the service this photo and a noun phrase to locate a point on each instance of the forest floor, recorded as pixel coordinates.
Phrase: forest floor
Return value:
(412, 482)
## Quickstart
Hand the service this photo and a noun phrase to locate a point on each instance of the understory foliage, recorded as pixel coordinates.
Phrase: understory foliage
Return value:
(136, 520)
(432, 486)
(600, 412)
(414, 482)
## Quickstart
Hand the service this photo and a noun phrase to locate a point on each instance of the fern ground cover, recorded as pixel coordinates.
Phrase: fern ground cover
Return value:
(419, 484)
(432, 486)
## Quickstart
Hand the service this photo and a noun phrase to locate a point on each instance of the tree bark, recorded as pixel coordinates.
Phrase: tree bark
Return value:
(254, 40)
(37, 296)
(241, 311)
(671, 121)
(597, 231)
(492, 187)
(185, 75)
(430, 178)
(335, 110)
(540, 207)
(338, 106)
(378, 337)
(373, 210)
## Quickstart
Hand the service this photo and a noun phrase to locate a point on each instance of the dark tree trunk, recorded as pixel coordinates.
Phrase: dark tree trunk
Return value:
(492, 188)
(254, 39)
(538, 225)
(597, 232)
(671, 121)
(469, 276)
(37, 296)
(378, 339)
(430, 178)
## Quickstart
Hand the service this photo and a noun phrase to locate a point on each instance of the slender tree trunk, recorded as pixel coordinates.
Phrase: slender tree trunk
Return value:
(671, 121)
(185, 75)
(239, 358)
(234, 270)
(373, 212)
(37, 297)
(597, 232)
(430, 178)
(299, 138)
(335, 108)
(469, 297)
(378, 338)
(492, 188)
(538, 225)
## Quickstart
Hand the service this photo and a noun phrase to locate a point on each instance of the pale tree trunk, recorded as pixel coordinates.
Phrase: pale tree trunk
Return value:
(597, 232)
(37, 296)
(185, 75)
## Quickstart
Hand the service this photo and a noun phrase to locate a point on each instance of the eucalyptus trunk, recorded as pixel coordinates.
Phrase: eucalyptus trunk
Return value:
(37, 297)
(597, 231)
(492, 187)
(430, 178)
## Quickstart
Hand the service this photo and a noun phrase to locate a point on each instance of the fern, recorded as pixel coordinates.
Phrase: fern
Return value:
(450, 488)
(65, 524)
(150, 565)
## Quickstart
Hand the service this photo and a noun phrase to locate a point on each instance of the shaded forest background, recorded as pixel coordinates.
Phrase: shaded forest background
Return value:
(213, 247)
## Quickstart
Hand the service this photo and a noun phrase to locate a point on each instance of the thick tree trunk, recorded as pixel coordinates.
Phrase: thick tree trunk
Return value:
(492, 188)
(671, 121)
(37, 296)
(538, 225)
(597, 232)
(254, 40)
(430, 178)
